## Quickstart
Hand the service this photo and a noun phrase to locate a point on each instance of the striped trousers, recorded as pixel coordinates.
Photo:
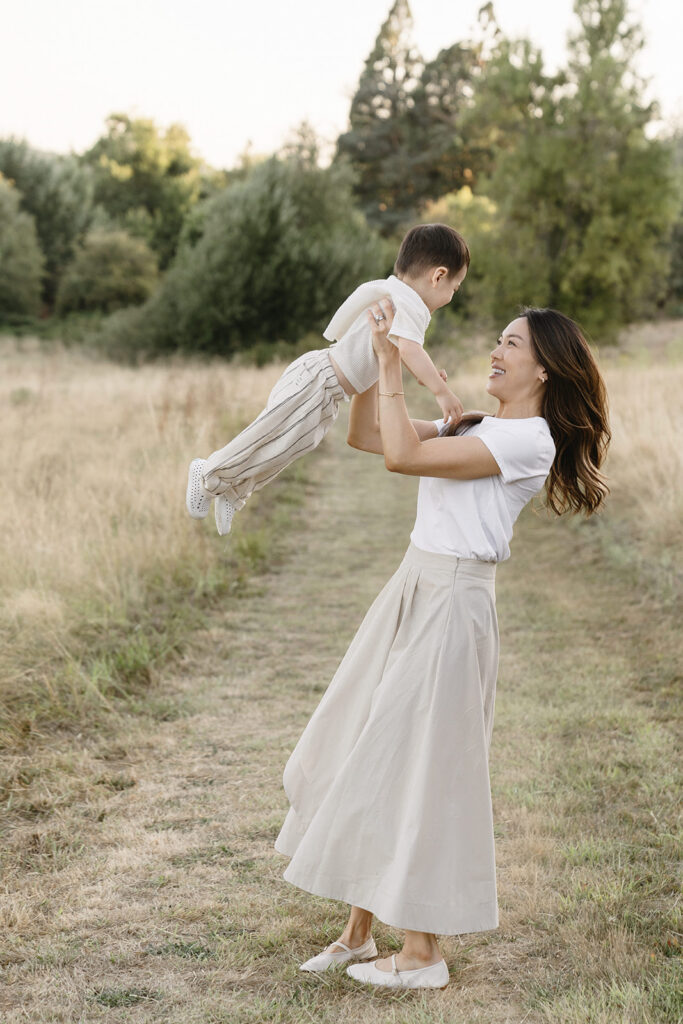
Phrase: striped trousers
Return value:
(301, 408)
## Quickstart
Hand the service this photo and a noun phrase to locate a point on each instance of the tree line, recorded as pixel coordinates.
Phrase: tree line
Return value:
(555, 181)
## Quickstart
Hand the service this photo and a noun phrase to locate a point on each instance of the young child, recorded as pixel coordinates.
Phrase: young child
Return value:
(430, 267)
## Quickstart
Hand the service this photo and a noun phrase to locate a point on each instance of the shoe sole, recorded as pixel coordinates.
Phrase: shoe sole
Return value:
(365, 981)
(219, 519)
(193, 486)
(404, 988)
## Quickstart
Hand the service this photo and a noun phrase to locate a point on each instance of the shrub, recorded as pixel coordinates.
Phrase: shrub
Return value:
(268, 259)
(21, 259)
(111, 269)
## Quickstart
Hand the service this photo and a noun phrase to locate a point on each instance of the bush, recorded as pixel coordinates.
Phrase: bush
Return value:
(268, 259)
(21, 260)
(111, 269)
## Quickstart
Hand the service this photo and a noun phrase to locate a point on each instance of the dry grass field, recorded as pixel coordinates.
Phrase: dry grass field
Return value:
(101, 573)
(155, 677)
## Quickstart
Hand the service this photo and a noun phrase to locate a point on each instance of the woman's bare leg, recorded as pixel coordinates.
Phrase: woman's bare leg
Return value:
(420, 949)
(357, 931)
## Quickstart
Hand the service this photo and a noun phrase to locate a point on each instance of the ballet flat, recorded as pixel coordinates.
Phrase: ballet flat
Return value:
(323, 960)
(434, 976)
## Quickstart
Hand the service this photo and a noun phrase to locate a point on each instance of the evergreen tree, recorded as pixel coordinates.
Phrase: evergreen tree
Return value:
(419, 131)
(441, 158)
(378, 142)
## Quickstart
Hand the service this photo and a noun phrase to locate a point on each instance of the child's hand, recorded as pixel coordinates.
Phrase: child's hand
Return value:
(450, 405)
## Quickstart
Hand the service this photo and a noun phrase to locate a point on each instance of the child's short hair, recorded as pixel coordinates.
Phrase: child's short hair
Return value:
(432, 245)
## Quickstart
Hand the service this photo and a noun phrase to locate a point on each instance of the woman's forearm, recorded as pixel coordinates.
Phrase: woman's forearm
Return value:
(400, 441)
(363, 432)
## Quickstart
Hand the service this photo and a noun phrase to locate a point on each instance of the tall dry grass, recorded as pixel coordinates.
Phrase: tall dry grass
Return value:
(645, 461)
(103, 571)
(100, 561)
(641, 522)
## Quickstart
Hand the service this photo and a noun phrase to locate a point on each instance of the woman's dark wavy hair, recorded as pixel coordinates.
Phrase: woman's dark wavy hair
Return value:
(575, 407)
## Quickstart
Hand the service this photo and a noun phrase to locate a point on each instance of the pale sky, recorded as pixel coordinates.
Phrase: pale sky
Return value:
(236, 72)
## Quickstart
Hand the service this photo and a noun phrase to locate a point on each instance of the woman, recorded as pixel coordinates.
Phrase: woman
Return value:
(388, 784)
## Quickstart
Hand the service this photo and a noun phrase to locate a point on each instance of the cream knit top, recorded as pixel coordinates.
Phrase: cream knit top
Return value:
(349, 328)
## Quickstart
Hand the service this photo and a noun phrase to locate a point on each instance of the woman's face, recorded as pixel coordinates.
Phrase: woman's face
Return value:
(515, 374)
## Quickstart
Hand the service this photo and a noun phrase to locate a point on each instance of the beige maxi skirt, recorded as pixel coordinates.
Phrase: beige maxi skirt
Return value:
(389, 782)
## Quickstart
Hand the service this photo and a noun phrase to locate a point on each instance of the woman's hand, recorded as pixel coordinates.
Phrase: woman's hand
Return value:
(380, 342)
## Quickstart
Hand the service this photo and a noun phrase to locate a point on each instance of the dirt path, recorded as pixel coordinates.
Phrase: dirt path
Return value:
(165, 901)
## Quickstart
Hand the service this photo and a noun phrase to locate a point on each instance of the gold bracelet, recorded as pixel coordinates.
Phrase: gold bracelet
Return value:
(390, 394)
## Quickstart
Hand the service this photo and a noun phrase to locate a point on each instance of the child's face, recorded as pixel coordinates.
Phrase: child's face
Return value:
(444, 286)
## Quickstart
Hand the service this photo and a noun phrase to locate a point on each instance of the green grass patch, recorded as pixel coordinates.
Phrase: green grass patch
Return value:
(115, 997)
(654, 999)
(116, 653)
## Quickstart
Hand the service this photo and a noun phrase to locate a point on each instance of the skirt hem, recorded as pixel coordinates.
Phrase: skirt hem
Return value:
(423, 919)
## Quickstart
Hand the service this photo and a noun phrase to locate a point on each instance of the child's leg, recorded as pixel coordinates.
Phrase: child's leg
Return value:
(302, 406)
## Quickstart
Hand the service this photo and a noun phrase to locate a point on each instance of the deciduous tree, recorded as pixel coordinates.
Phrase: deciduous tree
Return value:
(146, 179)
(585, 199)
(58, 194)
(378, 142)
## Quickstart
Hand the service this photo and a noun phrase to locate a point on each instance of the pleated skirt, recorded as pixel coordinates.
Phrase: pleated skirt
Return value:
(389, 782)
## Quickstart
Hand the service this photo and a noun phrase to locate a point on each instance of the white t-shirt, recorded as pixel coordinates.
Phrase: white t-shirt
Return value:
(349, 327)
(474, 518)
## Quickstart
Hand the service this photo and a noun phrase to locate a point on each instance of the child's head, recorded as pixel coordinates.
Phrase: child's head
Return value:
(433, 258)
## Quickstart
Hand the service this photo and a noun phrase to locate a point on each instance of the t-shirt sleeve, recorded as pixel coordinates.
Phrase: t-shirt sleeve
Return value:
(462, 428)
(406, 325)
(520, 454)
(353, 310)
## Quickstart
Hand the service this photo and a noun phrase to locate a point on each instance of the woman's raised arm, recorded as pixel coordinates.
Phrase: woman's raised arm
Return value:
(364, 432)
(404, 450)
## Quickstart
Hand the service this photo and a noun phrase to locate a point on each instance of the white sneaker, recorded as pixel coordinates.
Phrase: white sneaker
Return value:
(434, 976)
(324, 960)
(197, 499)
(224, 511)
